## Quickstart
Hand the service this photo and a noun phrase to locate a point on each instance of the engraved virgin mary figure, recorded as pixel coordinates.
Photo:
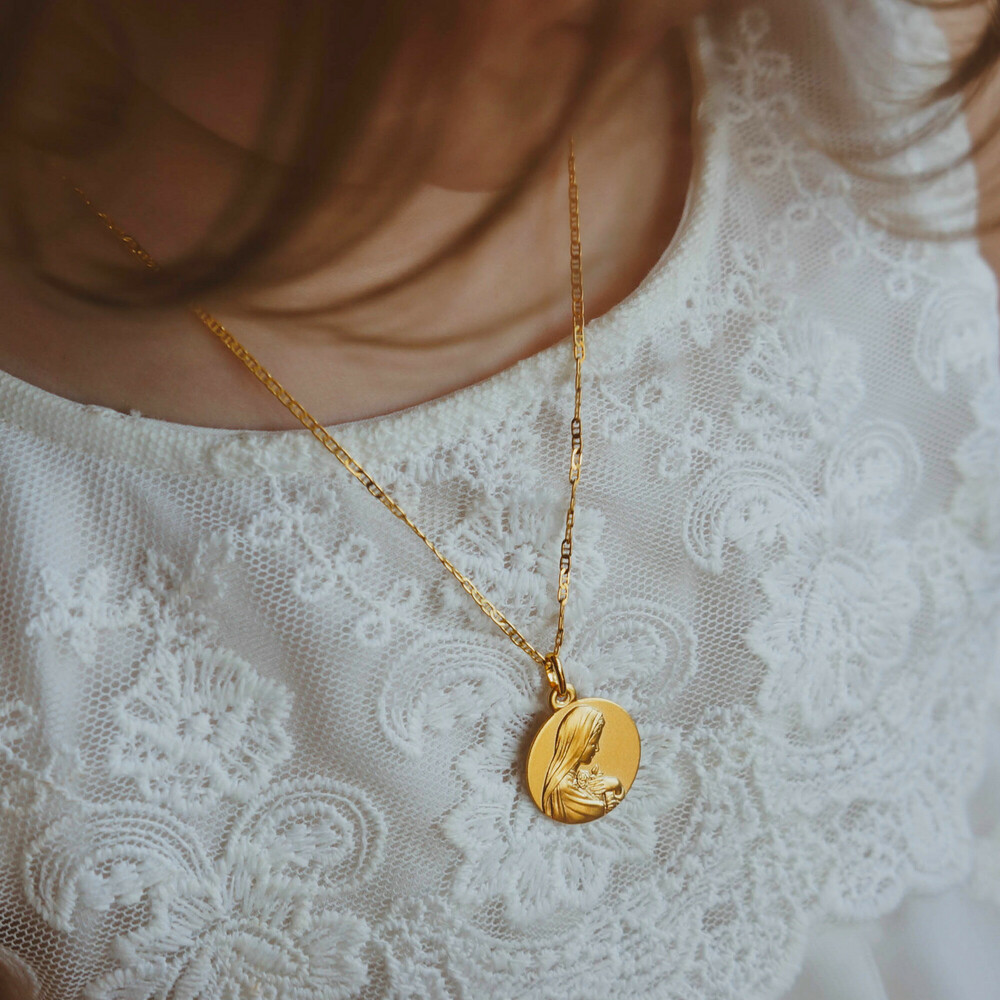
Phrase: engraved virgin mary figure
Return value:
(573, 792)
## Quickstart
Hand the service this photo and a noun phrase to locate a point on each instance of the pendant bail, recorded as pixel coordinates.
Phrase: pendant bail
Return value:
(562, 693)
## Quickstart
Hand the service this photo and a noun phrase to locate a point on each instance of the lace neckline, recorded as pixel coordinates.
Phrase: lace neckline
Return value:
(388, 439)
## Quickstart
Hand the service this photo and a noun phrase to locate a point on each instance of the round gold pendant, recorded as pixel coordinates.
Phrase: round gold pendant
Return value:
(583, 760)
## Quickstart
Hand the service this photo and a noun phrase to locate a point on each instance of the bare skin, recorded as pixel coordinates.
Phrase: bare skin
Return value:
(508, 300)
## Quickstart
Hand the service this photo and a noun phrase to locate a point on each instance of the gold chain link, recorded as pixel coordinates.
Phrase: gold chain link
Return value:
(576, 434)
(550, 662)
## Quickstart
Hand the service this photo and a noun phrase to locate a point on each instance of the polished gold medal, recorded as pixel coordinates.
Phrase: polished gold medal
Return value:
(584, 759)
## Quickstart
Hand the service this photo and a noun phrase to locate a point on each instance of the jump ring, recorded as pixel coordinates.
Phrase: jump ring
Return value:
(554, 672)
(560, 700)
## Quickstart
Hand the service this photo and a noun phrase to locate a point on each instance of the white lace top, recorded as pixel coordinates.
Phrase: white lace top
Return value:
(255, 742)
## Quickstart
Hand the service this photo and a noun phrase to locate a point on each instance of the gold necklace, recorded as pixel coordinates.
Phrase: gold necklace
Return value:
(585, 756)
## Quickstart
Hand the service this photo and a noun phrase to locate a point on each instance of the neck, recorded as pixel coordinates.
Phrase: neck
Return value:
(505, 300)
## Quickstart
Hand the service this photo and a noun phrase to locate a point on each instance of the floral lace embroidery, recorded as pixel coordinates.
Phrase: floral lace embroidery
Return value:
(198, 731)
(838, 619)
(813, 758)
(797, 388)
(510, 543)
(751, 505)
(977, 502)
(260, 920)
(200, 725)
(299, 525)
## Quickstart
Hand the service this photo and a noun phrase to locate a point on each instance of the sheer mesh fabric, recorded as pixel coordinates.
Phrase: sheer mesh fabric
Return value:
(254, 742)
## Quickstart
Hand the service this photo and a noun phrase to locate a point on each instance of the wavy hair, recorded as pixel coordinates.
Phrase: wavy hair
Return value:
(69, 88)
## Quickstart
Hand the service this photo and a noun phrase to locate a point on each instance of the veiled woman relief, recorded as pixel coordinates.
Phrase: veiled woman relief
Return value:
(583, 760)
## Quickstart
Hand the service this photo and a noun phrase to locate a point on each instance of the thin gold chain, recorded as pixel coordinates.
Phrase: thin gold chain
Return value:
(576, 434)
(550, 662)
